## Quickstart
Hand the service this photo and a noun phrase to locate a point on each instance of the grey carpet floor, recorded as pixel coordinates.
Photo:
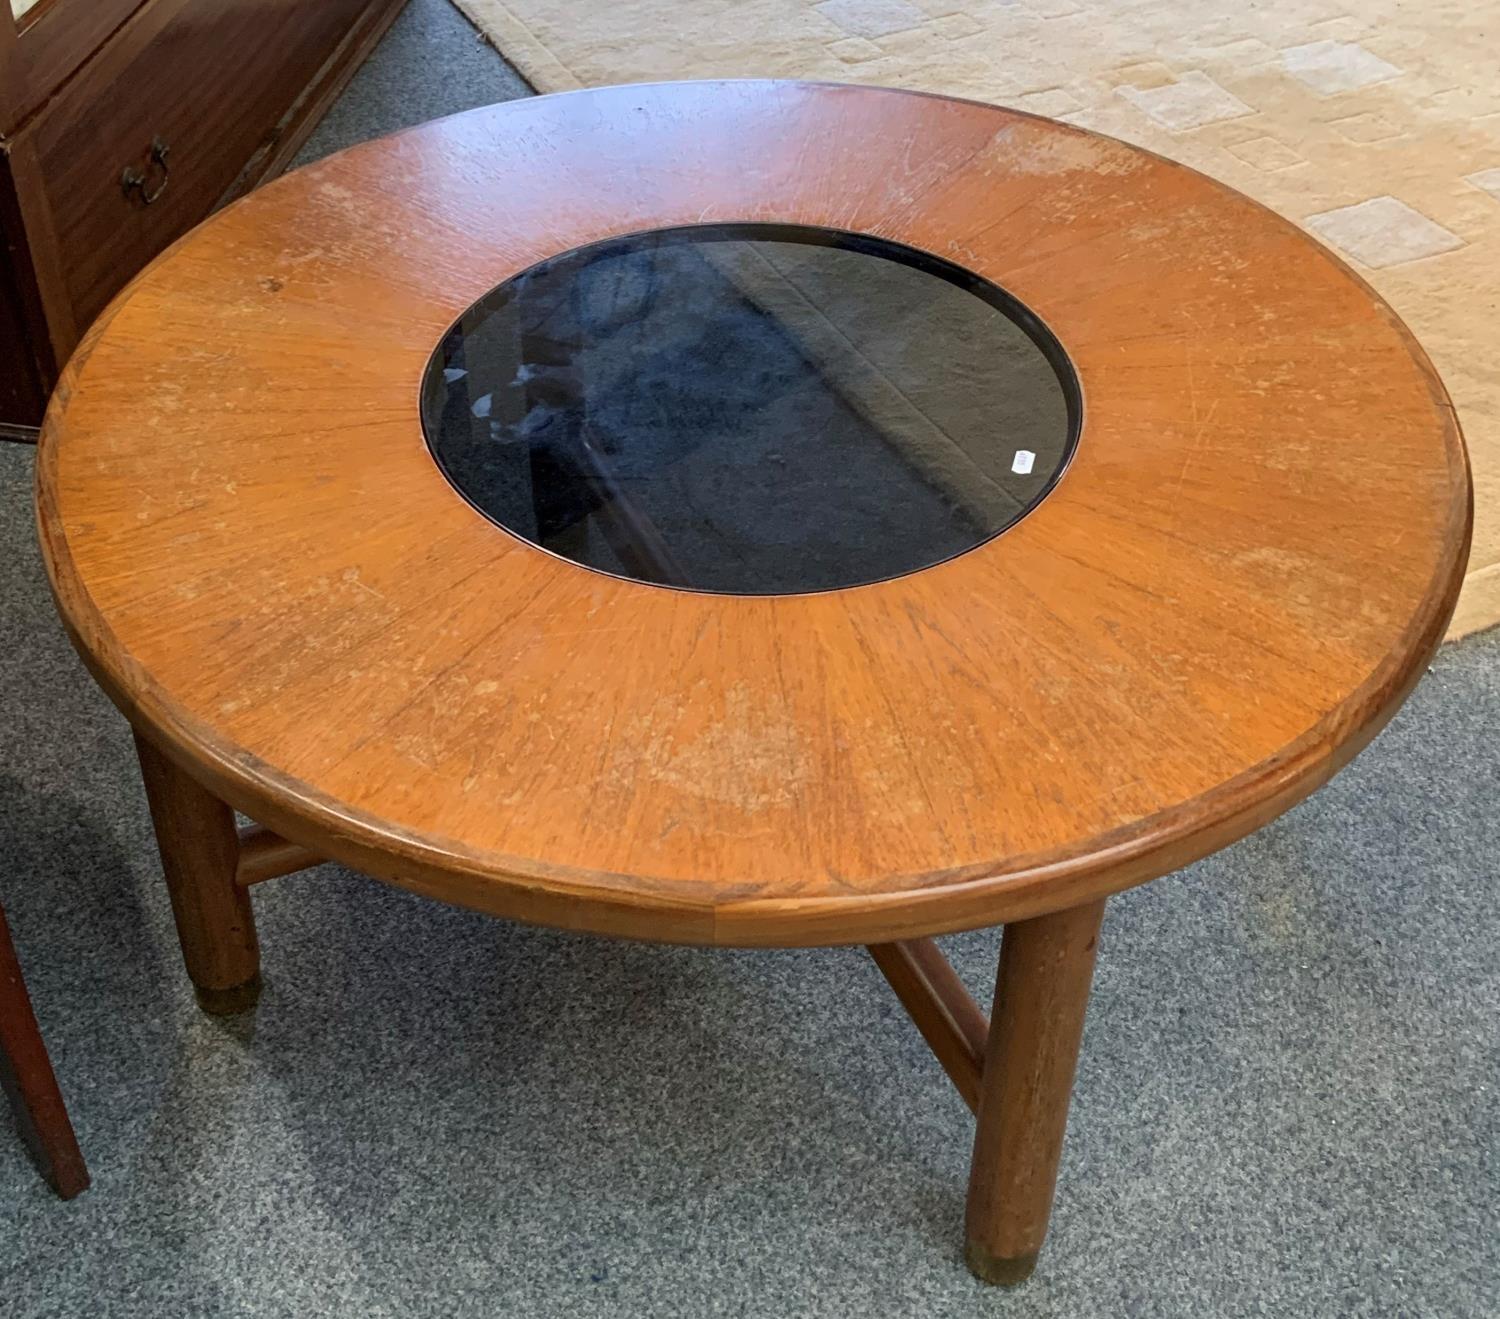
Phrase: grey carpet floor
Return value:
(1286, 1106)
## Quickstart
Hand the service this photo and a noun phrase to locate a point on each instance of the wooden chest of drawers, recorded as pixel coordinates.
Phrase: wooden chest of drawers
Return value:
(110, 151)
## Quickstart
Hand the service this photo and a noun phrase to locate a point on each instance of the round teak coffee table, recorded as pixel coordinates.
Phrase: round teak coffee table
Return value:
(753, 513)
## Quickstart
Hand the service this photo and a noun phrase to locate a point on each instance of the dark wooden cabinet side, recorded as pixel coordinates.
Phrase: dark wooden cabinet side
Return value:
(26, 363)
(21, 392)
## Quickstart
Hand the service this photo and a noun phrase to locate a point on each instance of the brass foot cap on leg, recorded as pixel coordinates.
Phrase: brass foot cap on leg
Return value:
(226, 1002)
(992, 1269)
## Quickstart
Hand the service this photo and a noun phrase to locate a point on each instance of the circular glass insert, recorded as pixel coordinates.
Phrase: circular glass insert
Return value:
(751, 408)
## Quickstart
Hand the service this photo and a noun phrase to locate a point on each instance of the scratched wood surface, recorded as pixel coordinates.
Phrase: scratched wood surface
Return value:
(1245, 569)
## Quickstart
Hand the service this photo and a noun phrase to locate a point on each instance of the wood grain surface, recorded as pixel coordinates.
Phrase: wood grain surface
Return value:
(1041, 996)
(1239, 578)
(200, 850)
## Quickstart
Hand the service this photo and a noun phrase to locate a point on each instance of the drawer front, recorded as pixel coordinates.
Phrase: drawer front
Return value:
(182, 98)
(55, 38)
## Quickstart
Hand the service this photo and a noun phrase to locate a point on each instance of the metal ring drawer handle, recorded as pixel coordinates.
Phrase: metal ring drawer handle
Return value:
(135, 180)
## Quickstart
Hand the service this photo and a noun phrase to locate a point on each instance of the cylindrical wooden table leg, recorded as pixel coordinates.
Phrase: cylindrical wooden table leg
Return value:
(1041, 994)
(198, 841)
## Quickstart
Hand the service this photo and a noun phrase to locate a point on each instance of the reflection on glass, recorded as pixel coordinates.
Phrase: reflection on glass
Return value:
(755, 409)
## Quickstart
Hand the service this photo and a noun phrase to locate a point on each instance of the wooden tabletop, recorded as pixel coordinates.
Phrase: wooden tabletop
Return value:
(1240, 576)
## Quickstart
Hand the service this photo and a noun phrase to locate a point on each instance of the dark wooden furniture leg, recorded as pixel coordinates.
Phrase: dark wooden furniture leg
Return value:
(200, 846)
(1041, 995)
(27, 1077)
